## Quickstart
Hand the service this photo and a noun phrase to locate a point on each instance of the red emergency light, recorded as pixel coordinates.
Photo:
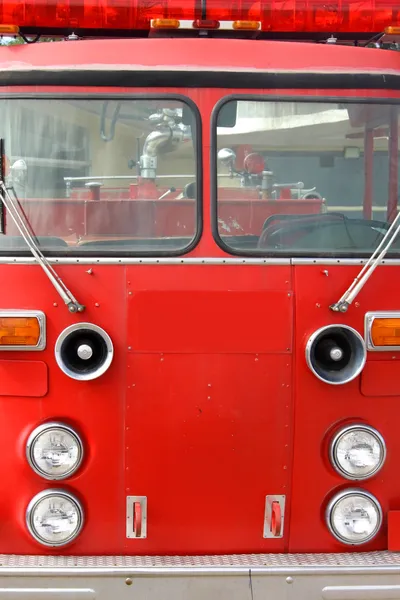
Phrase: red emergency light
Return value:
(275, 16)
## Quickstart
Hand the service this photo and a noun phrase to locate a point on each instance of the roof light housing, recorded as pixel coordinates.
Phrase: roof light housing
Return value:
(341, 16)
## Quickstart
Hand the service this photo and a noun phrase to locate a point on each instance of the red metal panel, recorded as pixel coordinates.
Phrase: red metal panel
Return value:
(23, 378)
(217, 54)
(320, 407)
(394, 530)
(95, 408)
(209, 403)
(381, 378)
(208, 437)
(210, 321)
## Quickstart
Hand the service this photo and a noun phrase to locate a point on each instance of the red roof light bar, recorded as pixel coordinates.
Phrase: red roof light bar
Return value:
(276, 16)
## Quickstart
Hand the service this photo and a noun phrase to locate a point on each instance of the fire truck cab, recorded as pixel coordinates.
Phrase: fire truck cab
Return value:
(199, 302)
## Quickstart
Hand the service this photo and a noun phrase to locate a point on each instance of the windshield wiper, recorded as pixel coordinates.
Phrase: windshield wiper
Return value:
(372, 263)
(14, 210)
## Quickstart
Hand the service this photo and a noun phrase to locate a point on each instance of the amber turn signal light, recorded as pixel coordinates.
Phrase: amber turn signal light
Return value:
(19, 331)
(10, 29)
(385, 332)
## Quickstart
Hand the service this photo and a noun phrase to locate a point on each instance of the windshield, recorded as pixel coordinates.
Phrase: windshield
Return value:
(307, 178)
(101, 175)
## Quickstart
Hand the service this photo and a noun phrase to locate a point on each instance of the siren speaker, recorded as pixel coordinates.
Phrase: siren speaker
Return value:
(84, 351)
(336, 354)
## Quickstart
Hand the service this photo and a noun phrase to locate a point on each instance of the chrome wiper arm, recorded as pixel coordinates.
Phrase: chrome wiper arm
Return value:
(20, 221)
(372, 263)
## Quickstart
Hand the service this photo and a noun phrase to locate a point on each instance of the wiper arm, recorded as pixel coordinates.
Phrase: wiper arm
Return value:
(372, 263)
(20, 221)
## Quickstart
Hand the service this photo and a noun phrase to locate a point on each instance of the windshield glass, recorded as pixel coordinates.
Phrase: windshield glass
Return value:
(307, 178)
(96, 175)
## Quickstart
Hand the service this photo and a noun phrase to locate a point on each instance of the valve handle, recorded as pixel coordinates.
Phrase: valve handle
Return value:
(276, 519)
(137, 519)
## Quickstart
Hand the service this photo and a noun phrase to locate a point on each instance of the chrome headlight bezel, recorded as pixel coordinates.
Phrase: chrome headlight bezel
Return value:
(30, 445)
(339, 436)
(329, 513)
(46, 494)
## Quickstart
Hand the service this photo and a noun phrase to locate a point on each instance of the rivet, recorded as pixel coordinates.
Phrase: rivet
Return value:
(318, 305)
(128, 581)
(55, 304)
(97, 304)
(289, 579)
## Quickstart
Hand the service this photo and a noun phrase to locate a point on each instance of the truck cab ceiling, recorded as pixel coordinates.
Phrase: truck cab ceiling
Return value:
(336, 354)
(84, 351)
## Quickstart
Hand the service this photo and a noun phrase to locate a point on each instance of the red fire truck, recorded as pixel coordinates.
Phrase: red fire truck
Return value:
(200, 300)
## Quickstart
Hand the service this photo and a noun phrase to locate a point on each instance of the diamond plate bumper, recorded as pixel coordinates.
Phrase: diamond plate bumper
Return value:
(352, 576)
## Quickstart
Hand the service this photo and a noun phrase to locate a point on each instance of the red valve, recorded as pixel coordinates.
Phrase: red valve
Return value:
(276, 519)
(137, 519)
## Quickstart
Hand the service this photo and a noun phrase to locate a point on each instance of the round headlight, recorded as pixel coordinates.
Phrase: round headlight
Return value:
(354, 516)
(357, 452)
(54, 517)
(54, 451)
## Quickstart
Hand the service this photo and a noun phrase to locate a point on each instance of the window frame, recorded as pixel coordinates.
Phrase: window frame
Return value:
(121, 252)
(274, 97)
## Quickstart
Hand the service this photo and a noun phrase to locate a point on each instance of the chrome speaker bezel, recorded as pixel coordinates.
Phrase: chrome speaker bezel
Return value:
(103, 367)
(361, 348)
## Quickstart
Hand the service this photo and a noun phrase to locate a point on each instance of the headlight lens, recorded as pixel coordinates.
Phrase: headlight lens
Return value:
(358, 452)
(354, 516)
(54, 451)
(54, 517)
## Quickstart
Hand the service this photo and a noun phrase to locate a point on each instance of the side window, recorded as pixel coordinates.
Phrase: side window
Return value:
(306, 178)
(103, 176)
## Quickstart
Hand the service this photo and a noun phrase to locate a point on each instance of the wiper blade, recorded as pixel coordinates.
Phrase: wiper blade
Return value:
(372, 263)
(20, 221)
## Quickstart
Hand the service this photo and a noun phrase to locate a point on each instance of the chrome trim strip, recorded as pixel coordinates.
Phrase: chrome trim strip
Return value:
(341, 261)
(208, 260)
(41, 317)
(27, 260)
(30, 447)
(368, 321)
(264, 564)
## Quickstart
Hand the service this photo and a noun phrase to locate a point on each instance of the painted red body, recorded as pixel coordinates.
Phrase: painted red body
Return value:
(209, 405)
